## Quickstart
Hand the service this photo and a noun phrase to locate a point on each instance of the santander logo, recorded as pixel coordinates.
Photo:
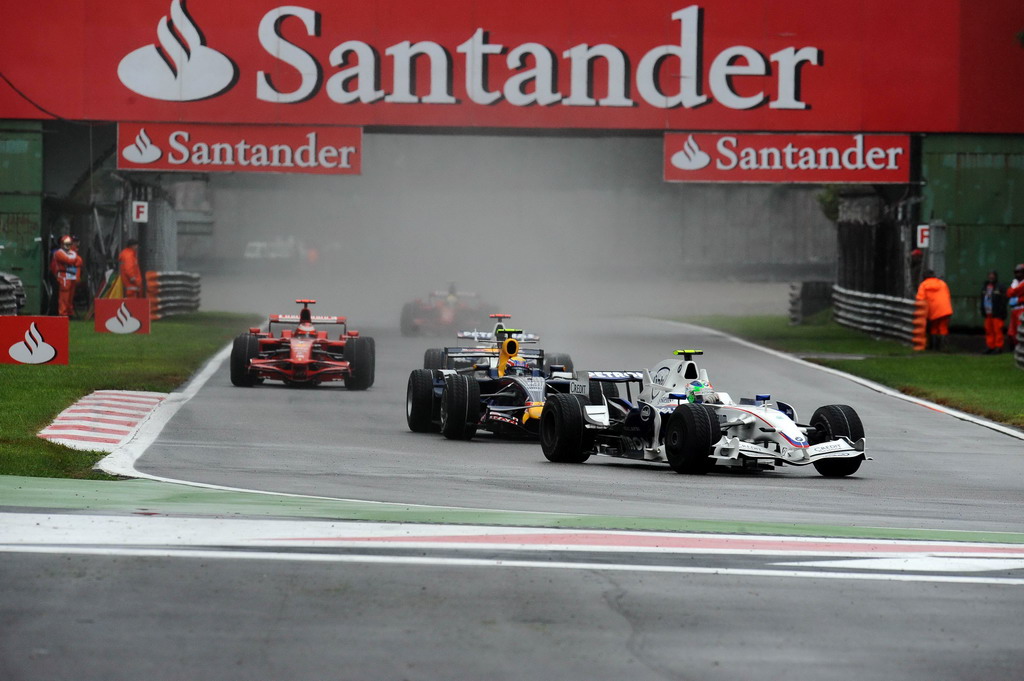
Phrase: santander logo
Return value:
(123, 321)
(142, 150)
(34, 349)
(181, 68)
(692, 157)
(792, 157)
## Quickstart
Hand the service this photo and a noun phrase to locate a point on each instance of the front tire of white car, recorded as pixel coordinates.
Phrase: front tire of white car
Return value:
(829, 422)
(562, 435)
(690, 438)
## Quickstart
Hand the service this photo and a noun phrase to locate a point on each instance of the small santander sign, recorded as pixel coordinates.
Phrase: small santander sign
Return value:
(122, 315)
(33, 340)
(206, 148)
(793, 158)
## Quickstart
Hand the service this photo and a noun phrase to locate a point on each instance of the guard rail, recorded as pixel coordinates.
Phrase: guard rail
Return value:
(12, 294)
(901, 319)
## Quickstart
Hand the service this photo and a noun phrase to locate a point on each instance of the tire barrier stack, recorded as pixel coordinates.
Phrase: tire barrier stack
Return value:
(807, 298)
(12, 294)
(900, 319)
(921, 325)
(172, 293)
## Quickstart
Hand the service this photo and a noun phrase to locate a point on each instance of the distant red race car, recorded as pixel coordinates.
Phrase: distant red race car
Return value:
(302, 354)
(443, 313)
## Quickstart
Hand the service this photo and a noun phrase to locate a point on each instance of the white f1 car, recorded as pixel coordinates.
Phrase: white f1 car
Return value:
(676, 416)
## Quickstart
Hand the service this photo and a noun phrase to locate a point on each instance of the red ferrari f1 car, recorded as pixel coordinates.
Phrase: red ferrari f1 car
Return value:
(295, 351)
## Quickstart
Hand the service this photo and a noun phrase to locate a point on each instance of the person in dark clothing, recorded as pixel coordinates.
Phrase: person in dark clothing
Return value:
(993, 309)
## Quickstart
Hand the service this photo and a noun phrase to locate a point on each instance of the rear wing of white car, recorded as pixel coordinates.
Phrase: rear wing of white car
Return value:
(616, 376)
(581, 386)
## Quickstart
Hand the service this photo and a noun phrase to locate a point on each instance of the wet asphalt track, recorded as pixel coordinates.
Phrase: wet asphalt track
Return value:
(930, 470)
(223, 616)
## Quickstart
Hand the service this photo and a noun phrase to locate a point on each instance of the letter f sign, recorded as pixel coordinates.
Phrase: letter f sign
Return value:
(140, 211)
(924, 236)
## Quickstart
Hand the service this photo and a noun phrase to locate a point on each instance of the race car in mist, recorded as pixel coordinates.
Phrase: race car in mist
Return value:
(442, 313)
(474, 342)
(297, 349)
(672, 414)
(501, 388)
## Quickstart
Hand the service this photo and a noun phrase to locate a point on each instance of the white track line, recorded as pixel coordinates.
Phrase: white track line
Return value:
(878, 387)
(483, 562)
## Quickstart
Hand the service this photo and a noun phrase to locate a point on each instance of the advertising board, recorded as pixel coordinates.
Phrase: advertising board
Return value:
(766, 65)
(195, 147)
(797, 158)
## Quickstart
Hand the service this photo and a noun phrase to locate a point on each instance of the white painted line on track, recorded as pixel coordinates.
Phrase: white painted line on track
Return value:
(330, 541)
(877, 387)
(163, 530)
(121, 461)
(425, 561)
(916, 564)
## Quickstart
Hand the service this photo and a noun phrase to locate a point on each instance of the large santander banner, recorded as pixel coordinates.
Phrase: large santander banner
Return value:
(770, 65)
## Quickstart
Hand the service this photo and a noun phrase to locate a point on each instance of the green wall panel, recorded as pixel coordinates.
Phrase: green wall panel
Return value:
(975, 185)
(21, 185)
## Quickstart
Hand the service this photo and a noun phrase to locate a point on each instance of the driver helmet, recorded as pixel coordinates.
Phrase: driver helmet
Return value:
(305, 329)
(517, 367)
(698, 392)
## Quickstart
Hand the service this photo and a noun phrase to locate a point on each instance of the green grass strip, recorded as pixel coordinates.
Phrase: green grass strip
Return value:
(152, 497)
(31, 396)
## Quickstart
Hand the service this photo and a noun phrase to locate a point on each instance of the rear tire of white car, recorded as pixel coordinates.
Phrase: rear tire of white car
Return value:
(245, 347)
(562, 435)
(359, 353)
(690, 438)
(419, 402)
(434, 358)
(829, 422)
(460, 407)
